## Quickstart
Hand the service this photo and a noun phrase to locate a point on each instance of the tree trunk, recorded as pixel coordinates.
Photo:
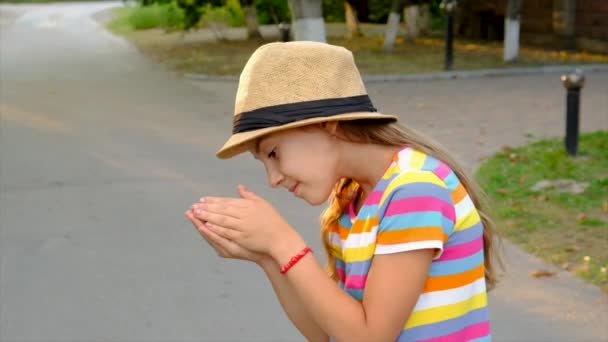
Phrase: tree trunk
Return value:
(352, 22)
(411, 15)
(251, 19)
(392, 26)
(307, 20)
(424, 19)
(511, 42)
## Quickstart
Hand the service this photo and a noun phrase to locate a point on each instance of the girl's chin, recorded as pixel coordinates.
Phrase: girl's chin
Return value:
(314, 201)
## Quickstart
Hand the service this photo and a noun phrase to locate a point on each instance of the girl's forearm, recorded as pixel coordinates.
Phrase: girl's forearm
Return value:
(333, 310)
(291, 303)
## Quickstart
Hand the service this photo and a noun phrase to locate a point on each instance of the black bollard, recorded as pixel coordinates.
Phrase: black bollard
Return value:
(574, 83)
(284, 31)
(448, 7)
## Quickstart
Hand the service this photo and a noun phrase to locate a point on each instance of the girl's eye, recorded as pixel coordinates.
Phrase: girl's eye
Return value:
(272, 154)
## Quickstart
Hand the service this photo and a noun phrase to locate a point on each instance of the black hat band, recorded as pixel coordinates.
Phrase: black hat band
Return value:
(283, 114)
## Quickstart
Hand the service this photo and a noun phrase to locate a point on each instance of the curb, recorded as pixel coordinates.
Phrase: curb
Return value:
(447, 75)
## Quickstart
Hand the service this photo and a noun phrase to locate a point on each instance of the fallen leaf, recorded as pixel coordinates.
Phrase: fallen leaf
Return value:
(566, 266)
(572, 249)
(605, 289)
(513, 157)
(581, 217)
(542, 273)
(605, 206)
(506, 148)
(502, 191)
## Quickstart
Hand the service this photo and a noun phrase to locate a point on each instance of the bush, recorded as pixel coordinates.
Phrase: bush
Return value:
(167, 16)
(230, 14)
(144, 17)
(173, 17)
(333, 11)
(272, 11)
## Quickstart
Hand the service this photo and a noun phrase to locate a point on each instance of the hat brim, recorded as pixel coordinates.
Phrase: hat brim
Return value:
(241, 142)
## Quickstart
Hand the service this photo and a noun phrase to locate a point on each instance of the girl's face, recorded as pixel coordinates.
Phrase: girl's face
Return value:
(302, 160)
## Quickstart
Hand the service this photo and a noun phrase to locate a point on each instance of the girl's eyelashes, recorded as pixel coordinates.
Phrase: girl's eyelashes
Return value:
(272, 153)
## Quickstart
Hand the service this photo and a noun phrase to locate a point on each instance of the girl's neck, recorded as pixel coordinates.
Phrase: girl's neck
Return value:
(366, 164)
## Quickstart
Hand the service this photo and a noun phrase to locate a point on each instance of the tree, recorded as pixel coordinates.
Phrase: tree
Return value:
(392, 26)
(193, 10)
(307, 20)
(511, 40)
(251, 18)
(352, 20)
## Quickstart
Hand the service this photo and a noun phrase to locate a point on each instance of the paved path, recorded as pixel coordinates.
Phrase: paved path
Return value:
(101, 151)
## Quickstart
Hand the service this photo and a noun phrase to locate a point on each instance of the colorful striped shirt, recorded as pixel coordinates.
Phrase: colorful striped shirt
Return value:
(420, 203)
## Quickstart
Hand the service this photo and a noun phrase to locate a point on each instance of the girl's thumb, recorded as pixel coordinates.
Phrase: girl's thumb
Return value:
(246, 193)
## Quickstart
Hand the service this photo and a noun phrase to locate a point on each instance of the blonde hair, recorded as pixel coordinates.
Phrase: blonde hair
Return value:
(394, 134)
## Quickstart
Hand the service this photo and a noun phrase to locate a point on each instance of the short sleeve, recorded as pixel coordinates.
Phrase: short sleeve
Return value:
(416, 212)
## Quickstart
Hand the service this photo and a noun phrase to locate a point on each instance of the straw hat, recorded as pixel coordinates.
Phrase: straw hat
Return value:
(293, 84)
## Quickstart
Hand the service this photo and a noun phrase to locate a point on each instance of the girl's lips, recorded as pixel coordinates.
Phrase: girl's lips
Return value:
(293, 188)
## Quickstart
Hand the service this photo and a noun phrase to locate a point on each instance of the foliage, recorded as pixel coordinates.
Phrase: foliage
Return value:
(379, 10)
(187, 14)
(167, 16)
(230, 14)
(193, 10)
(333, 11)
(272, 11)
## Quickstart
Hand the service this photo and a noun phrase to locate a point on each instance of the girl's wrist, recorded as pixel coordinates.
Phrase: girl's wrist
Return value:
(284, 251)
(266, 261)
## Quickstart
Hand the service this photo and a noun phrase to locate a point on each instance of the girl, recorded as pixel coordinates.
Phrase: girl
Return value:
(407, 239)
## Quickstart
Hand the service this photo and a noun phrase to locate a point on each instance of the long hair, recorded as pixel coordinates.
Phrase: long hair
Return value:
(394, 134)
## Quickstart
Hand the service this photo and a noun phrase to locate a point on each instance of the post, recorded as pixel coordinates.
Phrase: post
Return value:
(449, 7)
(573, 83)
(284, 31)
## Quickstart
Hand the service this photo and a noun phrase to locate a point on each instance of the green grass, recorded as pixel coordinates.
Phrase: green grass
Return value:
(131, 18)
(568, 230)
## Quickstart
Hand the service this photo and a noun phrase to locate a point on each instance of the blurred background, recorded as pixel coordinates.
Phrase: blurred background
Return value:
(111, 113)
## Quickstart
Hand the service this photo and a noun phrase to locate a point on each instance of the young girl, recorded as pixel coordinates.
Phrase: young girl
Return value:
(407, 239)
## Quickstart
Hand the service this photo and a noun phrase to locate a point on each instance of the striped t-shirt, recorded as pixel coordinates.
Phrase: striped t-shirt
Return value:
(420, 203)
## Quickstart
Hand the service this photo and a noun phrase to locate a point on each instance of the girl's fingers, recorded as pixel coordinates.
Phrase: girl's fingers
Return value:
(225, 233)
(222, 209)
(217, 219)
(225, 244)
(220, 250)
(235, 202)
(206, 234)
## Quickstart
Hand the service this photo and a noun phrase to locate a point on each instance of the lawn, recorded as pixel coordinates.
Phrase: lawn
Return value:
(569, 230)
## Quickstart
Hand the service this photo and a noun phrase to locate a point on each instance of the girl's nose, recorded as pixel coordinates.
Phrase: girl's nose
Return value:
(275, 179)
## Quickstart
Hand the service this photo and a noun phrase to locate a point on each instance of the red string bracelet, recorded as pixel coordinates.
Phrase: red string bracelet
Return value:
(295, 259)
